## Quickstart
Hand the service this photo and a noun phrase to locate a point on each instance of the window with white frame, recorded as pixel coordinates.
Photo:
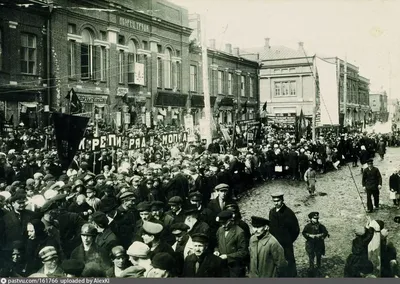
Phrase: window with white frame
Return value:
(242, 86)
(121, 67)
(177, 76)
(285, 89)
(168, 68)
(71, 58)
(193, 78)
(251, 87)
(132, 59)
(229, 83)
(87, 55)
(103, 63)
(28, 54)
(220, 80)
(159, 72)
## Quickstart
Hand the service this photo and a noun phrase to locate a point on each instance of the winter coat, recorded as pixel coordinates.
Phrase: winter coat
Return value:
(267, 257)
(209, 266)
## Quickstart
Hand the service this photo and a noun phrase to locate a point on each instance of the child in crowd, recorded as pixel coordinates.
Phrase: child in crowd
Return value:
(310, 177)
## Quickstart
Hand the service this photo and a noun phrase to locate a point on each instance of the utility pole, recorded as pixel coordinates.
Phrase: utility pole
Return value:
(314, 114)
(206, 91)
(345, 92)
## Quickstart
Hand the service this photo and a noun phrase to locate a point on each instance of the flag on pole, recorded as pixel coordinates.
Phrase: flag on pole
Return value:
(69, 131)
(75, 105)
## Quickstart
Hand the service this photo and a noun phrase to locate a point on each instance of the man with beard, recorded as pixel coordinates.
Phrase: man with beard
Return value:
(284, 226)
(152, 237)
(105, 238)
(88, 251)
(232, 247)
(16, 220)
(125, 219)
(51, 263)
(267, 258)
(176, 211)
(157, 212)
(202, 263)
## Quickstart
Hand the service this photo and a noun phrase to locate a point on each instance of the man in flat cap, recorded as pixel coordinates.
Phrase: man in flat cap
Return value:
(315, 234)
(88, 251)
(232, 246)
(176, 212)
(284, 226)
(16, 220)
(267, 257)
(125, 219)
(51, 263)
(372, 183)
(152, 237)
(139, 255)
(180, 233)
(105, 238)
(218, 204)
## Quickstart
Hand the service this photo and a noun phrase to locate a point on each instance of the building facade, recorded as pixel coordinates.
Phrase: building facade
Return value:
(379, 106)
(23, 68)
(286, 81)
(121, 58)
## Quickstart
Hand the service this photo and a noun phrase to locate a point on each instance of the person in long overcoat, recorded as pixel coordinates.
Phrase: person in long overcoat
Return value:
(284, 226)
(315, 234)
(394, 187)
(267, 257)
(372, 183)
(232, 246)
(202, 263)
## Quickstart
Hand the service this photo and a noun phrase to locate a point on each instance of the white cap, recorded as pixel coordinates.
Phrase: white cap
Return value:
(138, 249)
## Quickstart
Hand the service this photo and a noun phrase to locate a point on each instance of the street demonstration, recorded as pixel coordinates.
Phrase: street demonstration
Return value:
(133, 146)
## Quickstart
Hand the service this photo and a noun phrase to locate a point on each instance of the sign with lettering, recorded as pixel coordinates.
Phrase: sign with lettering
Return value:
(92, 99)
(139, 74)
(131, 143)
(134, 25)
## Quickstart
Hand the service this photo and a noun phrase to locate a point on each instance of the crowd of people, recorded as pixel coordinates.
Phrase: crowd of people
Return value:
(163, 210)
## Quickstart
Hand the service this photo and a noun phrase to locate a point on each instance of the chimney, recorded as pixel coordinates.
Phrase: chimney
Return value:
(212, 43)
(236, 51)
(301, 44)
(228, 48)
(266, 44)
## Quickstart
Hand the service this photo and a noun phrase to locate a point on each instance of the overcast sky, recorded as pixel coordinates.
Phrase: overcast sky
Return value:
(366, 31)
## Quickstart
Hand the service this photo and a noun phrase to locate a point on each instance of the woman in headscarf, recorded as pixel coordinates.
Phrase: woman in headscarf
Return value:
(37, 240)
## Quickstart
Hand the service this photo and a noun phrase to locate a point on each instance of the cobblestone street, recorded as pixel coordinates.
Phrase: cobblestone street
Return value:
(340, 209)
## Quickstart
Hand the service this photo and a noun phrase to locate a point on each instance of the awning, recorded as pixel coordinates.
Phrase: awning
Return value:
(226, 102)
(170, 99)
(29, 104)
(197, 101)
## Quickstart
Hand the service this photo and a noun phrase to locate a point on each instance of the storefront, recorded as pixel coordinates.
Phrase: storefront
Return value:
(197, 107)
(172, 104)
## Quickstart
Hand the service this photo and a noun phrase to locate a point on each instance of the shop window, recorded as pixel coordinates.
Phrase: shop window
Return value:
(28, 54)
(87, 55)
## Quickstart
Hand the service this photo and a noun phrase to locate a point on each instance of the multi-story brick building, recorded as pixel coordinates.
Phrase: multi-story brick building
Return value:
(379, 106)
(23, 68)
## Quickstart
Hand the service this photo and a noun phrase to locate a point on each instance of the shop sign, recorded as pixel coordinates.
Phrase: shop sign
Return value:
(134, 25)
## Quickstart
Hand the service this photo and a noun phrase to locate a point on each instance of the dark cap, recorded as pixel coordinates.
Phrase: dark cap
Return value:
(178, 228)
(126, 195)
(19, 197)
(370, 161)
(73, 267)
(100, 218)
(196, 196)
(118, 251)
(224, 216)
(100, 176)
(259, 222)
(88, 230)
(163, 261)
(191, 208)
(200, 238)
(144, 206)
(175, 200)
(313, 215)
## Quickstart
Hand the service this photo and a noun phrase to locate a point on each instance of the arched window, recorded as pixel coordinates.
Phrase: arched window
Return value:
(87, 55)
(168, 68)
(132, 59)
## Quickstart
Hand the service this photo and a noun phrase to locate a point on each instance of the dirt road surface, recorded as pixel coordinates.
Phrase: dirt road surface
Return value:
(339, 204)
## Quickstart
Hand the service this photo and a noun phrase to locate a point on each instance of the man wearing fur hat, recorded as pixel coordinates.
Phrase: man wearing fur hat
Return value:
(315, 234)
(267, 257)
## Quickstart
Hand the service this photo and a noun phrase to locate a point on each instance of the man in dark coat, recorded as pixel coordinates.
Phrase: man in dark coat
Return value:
(176, 212)
(394, 186)
(202, 263)
(293, 163)
(105, 239)
(372, 183)
(152, 237)
(284, 226)
(178, 185)
(218, 204)
(16, 221)
(232, 247)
